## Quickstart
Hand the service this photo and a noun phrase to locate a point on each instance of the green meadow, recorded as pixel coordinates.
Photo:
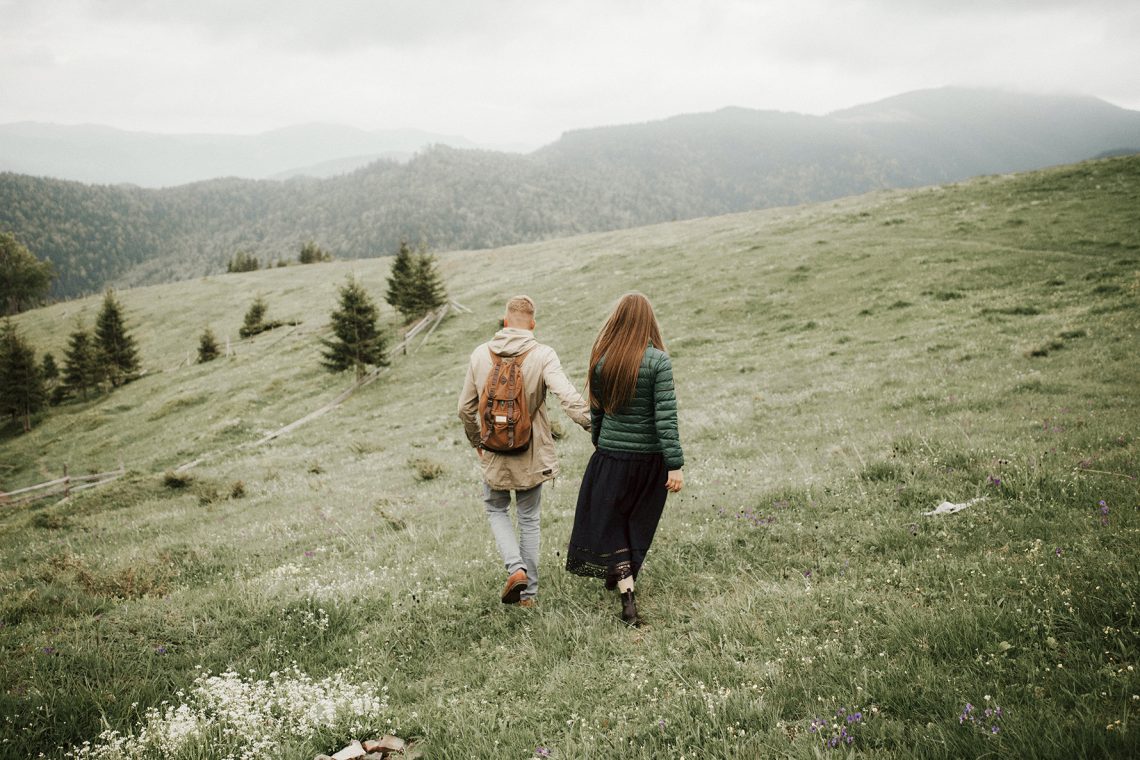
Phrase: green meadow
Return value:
(841, 369)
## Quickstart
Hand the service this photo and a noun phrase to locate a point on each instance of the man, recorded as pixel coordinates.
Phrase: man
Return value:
(525, 472)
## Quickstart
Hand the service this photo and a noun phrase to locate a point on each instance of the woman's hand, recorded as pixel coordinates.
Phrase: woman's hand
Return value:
(675, 482)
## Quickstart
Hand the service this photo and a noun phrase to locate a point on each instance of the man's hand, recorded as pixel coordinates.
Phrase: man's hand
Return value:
(675, 482)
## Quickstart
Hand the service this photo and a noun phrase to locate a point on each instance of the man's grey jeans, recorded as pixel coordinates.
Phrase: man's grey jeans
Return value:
(520, 552)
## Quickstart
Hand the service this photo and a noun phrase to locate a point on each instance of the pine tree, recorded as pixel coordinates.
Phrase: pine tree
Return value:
(311, 253)
(22, 392)
(358, 342)
(80, 363)
(254, 318)
(401, 282)
(243, 262)
(49, 369)
(427, 285)
(117, 353)
(255, 321)
(208, 347)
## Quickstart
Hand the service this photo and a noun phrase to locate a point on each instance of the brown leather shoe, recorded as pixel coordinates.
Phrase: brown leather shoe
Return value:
(516, 582)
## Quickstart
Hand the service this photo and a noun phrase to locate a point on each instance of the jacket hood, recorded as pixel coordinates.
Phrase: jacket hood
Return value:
(512, 341)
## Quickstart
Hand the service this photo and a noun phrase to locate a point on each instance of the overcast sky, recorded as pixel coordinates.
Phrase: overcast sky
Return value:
(523, 71)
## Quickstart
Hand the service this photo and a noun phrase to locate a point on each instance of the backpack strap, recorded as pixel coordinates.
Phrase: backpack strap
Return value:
(519, 358)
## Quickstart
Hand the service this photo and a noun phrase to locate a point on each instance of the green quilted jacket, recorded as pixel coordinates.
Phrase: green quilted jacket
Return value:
(648, 423)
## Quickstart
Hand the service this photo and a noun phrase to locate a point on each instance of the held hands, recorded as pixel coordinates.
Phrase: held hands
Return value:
(675, 482)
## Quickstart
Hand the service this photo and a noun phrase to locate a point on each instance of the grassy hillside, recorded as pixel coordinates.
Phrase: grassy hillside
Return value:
(841, 369)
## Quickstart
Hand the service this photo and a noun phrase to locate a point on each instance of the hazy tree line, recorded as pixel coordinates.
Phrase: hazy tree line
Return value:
(311, 253)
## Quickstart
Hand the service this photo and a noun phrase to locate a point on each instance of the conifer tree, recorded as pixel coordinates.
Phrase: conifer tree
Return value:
(49, 369)
(208, 347)
(243, 262)
(311, 253)
(22, 392)
(401, 282)
(358, 342)
(117, 353)
(255, 321)
(80, 363)
(254, 318)
(427, 285)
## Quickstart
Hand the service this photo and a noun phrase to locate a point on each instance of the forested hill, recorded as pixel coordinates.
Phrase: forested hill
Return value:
(596, 179)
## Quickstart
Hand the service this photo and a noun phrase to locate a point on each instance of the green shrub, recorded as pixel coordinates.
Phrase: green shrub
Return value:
(177, 480)
(426, 469)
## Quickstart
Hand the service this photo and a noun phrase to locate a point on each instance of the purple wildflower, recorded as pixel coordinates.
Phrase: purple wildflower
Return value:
(160, 650)
(995, 481)
(540, 751)
(995, 730)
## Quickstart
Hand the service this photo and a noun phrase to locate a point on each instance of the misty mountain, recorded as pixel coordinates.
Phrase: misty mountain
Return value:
(606, 178)
(103, 155)
(989, 131)
(335, 166)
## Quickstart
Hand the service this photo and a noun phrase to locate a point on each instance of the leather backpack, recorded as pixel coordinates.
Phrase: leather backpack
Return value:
(504, 420)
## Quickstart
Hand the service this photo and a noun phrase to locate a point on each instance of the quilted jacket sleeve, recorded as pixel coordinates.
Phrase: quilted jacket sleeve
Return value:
(665, 414)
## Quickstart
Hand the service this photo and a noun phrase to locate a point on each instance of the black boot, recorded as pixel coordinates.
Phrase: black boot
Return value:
(629, 609)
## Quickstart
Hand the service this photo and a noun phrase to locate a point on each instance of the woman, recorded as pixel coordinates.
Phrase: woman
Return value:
(637, 457)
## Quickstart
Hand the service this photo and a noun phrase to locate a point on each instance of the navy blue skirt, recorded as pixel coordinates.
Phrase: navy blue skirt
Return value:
(619, 505)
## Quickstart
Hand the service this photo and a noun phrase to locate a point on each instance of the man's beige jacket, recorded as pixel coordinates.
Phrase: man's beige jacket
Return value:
(541, 372)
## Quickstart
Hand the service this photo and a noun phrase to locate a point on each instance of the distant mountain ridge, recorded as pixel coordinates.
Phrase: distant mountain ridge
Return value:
(688, 166)
(107, 156)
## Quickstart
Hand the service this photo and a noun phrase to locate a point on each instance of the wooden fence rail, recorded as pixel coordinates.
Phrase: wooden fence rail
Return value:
(65, 485)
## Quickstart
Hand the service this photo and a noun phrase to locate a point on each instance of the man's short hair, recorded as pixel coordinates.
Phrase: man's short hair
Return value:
(521, 305)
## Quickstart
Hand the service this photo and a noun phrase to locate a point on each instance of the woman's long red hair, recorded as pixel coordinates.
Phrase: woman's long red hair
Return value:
(622, 340)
